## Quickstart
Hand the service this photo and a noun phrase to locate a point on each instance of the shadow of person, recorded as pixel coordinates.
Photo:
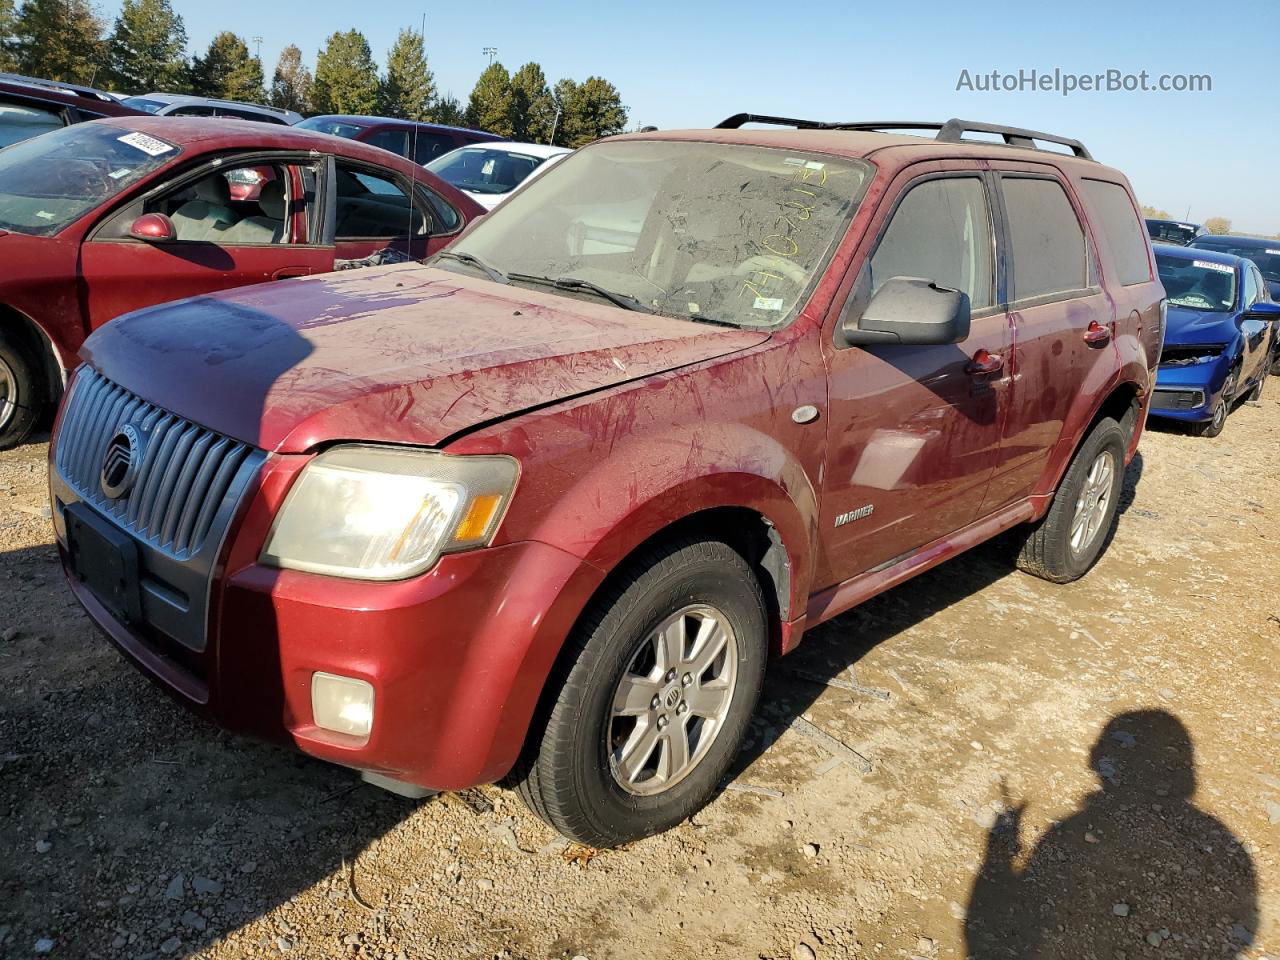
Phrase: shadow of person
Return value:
(1138, 870)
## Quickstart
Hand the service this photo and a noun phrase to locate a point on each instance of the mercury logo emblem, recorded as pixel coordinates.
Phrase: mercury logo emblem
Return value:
(121, 462)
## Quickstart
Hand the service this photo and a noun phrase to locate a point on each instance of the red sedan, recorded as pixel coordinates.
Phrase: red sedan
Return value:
(105, 217)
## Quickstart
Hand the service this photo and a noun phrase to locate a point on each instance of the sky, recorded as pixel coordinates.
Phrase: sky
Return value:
(691, 64)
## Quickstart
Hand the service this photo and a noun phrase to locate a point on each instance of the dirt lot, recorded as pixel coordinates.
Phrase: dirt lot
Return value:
(990, 708)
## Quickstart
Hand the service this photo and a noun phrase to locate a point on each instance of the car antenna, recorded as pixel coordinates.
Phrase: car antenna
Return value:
(413, 162)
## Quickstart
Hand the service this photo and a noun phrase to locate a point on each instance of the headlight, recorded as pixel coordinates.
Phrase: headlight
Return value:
(386, 513)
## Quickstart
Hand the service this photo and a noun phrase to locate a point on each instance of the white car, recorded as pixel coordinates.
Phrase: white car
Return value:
(489, 172)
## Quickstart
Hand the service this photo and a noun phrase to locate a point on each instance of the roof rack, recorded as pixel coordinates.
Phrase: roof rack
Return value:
(76, 88)
(952, 131)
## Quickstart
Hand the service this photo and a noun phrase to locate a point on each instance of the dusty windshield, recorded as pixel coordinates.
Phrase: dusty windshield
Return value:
(51, 180)
(718, 232)
(1198, 284)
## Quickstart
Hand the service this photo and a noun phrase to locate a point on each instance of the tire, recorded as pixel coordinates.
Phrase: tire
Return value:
(1259, 388)
(585, 770)
(1221, 410)
(1052, 550)
(21, 394)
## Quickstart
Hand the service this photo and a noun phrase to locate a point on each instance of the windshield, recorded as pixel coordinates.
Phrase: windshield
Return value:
(48, 182)
(1182, 233)
(707, 231)
(485, 169)
(335, 128)
(1267, 258)
(145, 105)
(1197, 284)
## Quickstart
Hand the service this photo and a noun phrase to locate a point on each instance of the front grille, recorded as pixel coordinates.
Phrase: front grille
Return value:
(1163, 399)
(185, 473)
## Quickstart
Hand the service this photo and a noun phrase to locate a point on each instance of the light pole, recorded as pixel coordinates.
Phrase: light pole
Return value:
(491, 53)
(257, 47)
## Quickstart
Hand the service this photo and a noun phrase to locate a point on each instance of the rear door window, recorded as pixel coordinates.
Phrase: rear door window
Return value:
(393, 140)
(941, 231)
(373, 206)
(1119, 220)
(1046, 241)
(21, 121)
(428, 145)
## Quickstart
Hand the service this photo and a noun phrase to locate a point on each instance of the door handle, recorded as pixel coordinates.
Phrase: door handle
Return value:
(288, 273)
(984, 363)
(1097, 334)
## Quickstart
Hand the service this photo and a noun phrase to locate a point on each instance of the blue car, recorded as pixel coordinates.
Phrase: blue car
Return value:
(1220, 336)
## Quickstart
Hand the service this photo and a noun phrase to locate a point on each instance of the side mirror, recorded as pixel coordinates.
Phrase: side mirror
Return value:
(910, 310)
(154, 228)
(1265, 310)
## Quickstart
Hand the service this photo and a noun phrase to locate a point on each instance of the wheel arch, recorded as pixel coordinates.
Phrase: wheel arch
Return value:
(30, 335)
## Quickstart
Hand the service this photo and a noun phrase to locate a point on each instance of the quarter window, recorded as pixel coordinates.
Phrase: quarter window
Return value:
(1045, 238)
(1128, 241)
(940, 231)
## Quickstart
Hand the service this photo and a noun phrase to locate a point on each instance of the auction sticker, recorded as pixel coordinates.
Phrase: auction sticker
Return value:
(769, 303)
(1210, 265)
(151, 146)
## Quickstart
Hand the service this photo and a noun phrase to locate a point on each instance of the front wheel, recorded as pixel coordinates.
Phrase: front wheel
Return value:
(656, 692)
(1217, 423)
(1069, 538)
(20, 394)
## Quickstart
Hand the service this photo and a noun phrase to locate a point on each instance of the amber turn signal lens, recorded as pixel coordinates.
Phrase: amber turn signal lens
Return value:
(476, 522)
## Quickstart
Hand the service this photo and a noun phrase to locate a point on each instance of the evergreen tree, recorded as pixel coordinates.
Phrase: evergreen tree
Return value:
(8, 60)
(491, 104)
(291, 85)
(59, 40)
(228, 70)
(533, 109)
(147, 48)
(598, 112)
(447, 110)
(564, 103)
(408, 88)
(346, 76)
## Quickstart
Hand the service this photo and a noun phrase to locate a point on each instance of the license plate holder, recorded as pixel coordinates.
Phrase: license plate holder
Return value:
(104, 559)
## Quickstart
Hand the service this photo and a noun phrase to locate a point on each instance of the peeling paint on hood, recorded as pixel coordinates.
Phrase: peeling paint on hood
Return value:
(399, 354)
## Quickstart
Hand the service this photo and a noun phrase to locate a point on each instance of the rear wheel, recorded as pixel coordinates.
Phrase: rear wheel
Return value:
(1258, 388)
(1069, 538)
(20, 394)
(655, 697)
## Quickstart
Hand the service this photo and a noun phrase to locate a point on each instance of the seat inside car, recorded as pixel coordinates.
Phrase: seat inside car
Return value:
(268, 226)
(208, 212)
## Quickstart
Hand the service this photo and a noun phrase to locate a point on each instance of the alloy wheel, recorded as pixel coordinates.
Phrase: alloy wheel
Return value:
(672, 700)
(8, 393)
(1093, 503)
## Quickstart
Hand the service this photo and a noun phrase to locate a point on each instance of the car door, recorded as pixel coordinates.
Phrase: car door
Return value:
(225, 235)
(913, 432)
(1063, 325)
(370, 210)
(1256, 333)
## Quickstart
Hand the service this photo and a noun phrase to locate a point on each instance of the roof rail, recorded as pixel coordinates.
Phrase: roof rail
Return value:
(76, 88)
(952, 131)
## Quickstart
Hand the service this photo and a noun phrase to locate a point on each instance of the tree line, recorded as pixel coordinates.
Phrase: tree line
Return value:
(145, 49)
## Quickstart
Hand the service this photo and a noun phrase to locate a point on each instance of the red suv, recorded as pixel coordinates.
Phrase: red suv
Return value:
(545, 507)
(105, 217)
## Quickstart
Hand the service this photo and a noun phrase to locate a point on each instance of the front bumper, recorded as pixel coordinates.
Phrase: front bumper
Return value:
(457, 657)
(1190, 391)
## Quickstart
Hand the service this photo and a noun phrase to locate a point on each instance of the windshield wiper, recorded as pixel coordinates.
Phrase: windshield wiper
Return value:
(493, 273)
(576, 283)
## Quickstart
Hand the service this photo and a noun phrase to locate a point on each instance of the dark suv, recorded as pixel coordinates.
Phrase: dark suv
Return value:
(545, 507)
(29, 106)
(420, 142)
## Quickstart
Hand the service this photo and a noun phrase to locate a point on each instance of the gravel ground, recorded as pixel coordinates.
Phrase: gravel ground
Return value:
(977, 764)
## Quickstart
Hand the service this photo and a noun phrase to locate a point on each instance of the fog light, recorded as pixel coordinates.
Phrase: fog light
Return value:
(342, 704)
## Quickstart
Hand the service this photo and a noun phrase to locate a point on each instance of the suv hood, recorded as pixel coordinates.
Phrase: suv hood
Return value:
(1187, 326)
(399, 354)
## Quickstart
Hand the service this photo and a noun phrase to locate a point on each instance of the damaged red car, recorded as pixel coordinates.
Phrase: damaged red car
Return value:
(104, 217)
(544, 508)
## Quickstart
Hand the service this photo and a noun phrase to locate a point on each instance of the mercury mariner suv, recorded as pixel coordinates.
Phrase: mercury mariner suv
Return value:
(545, 507)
